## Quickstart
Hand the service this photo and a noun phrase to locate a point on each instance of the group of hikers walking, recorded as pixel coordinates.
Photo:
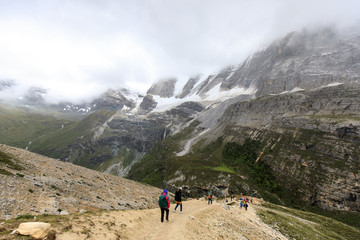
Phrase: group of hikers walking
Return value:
(164, 202)
(244, 203)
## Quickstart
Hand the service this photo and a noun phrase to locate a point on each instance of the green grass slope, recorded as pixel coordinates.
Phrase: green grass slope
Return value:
(18, 127)
(57, 144)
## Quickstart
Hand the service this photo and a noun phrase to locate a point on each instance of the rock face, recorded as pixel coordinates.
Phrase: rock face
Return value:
(35, 96)
(113, 100)
(188, 87)
(148, 104)
(302, 59)
(163, 88)
(39, 185)
(312, 141)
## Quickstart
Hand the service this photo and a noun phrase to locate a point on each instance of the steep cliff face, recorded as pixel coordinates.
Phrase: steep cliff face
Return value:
(311, 141)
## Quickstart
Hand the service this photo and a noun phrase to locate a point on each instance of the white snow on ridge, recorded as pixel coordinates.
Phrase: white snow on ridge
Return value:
(165, 104)
(215, 94)
(233, 70)
(137, 106)
(334, 84)
(189, 143)
(296, 89)
(130, 95)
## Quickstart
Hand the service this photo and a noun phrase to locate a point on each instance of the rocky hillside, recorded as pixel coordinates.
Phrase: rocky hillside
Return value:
(310, 141)
(34, 184)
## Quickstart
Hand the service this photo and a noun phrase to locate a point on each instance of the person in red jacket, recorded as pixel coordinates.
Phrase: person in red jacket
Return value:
(164, 204)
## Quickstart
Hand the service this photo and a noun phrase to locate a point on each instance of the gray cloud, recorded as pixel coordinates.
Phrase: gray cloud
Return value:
(78, 48)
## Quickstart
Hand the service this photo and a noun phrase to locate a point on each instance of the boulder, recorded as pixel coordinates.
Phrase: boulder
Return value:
(37, 230)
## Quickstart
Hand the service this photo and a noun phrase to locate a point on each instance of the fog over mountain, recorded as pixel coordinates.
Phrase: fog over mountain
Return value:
(79, 49)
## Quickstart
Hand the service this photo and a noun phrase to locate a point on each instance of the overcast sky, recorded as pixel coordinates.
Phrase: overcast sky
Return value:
(78, 48)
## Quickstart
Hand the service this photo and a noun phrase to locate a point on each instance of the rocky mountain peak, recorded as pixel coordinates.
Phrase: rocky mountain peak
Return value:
(114, 100)
(305, 59)
(6, 84)
(164, 88)
(35, 95)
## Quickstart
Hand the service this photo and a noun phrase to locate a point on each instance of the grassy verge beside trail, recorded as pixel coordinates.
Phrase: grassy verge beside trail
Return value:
(297, 224)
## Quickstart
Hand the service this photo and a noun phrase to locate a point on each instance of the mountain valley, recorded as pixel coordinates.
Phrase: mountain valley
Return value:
(283, 125)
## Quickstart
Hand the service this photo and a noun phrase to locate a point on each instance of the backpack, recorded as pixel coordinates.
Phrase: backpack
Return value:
(209, 197)
(163, 202)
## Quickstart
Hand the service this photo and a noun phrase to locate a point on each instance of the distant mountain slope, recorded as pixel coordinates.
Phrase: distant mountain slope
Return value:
(305, 59)
(18, 127)
(298, 148)
(34, 184)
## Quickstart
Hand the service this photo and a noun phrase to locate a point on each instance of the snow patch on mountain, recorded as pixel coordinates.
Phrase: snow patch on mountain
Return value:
(334, 84)
(165, 104)
(292, 91)
(130, 95)
(198, 84)
(100, 130)
(233, 70)
(216, 94)
(190, 142)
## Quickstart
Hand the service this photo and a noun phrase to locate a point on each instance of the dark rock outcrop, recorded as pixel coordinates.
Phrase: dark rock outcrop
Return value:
(148, 104)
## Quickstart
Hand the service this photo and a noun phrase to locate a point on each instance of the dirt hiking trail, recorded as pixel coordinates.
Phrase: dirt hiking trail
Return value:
(198, 221)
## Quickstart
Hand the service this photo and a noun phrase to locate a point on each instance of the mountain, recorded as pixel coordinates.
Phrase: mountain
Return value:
(34, 184)
(6, 84)
(305, 59)
(283, 125)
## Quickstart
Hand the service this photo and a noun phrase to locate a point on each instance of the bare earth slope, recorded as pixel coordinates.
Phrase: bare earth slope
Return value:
(41, 185)
(199, 221)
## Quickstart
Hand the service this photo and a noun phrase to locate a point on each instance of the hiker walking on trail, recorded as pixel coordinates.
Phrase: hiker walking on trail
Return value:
(210, 197)
(246, 206)
(178, 199)
(164, 204)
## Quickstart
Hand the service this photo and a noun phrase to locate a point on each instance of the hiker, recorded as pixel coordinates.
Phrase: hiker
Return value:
(164, 204)
(241, 203)
(246, 206)
(210, 197)
(178, 199)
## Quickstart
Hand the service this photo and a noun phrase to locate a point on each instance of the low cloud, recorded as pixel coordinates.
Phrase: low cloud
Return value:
(77, 49)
